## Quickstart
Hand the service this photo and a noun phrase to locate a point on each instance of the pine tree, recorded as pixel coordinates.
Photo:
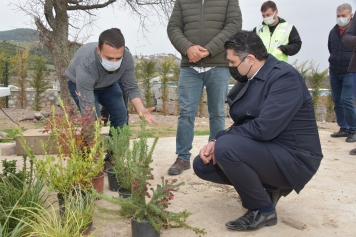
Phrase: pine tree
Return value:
(38, 83)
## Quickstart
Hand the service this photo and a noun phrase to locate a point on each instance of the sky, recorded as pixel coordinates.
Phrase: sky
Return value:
(312, 18)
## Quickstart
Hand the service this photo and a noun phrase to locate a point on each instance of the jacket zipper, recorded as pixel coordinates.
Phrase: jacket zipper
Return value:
(201, 27)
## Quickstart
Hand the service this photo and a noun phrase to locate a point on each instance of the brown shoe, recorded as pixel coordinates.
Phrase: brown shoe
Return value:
(178, 167)
(353, 152)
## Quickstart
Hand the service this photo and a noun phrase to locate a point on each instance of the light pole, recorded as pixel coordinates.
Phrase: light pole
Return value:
(138, 47)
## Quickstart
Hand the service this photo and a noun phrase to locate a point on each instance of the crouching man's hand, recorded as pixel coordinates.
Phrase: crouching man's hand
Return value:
(207, 153)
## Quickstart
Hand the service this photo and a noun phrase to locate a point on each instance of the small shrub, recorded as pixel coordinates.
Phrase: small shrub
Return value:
(19, 190)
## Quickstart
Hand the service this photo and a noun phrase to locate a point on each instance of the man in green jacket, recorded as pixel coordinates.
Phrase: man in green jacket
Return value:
(198, 30)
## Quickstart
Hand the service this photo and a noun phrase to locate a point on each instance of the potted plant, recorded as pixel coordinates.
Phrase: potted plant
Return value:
(120, 174)
(80, 157)
(75, 222)
(152, 214)
(19, 190)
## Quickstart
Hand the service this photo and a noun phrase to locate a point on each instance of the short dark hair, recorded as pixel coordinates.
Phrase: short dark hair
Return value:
(245, 42)
(112, 37)
(268, 4)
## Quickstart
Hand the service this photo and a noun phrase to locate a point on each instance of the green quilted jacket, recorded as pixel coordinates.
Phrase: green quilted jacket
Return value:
(207, 23)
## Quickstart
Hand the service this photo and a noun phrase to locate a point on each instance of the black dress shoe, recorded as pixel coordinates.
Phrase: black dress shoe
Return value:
(340, 133)
(278, 193)
(253, 220)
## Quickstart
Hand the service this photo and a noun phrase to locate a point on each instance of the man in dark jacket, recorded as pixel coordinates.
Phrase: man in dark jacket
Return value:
(341, 80)
(279, 37)
(198, 30)
(273, 145)
(349, 39)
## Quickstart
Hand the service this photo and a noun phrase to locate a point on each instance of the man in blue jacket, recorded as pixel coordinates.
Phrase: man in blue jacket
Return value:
(341, 81)
(273, 145)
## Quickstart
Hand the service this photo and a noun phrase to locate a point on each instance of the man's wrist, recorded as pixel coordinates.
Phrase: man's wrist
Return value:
(212, 140)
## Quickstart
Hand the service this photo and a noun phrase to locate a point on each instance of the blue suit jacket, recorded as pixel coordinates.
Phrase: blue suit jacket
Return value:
(276, 107)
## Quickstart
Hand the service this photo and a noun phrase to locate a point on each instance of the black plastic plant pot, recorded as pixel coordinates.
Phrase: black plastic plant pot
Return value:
(113, 184)
(62, 207)
(143, 229)
(124, 193)
(62, 204)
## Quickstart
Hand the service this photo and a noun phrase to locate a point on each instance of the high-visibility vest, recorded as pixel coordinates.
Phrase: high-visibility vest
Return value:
(279, 37)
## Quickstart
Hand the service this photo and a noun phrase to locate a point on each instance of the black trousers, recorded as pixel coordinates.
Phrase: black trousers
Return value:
(247, 165)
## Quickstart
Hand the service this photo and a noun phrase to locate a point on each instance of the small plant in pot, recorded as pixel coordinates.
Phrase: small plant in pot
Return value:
(120, 174)
(80, 155)
(19, 190)
(75, 222)
(152, 213)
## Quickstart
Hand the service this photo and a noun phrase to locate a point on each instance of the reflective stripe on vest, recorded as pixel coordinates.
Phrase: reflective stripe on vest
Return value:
(280, 37)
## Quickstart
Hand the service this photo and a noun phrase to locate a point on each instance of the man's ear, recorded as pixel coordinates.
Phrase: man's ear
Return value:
(251, 59)
(97, 49)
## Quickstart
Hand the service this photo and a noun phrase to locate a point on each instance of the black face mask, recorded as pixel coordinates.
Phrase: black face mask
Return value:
(236, 75)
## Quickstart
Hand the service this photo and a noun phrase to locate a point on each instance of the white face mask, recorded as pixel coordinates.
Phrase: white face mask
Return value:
(342, 21)
(269, 20)
(110, 66)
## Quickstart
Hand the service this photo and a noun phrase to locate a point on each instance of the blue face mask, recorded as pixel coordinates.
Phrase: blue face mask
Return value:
(111, 66)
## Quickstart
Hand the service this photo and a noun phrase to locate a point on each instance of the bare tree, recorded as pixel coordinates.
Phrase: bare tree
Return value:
(57, 20)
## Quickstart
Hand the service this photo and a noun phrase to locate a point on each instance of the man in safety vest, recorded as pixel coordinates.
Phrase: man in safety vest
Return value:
(280, 37)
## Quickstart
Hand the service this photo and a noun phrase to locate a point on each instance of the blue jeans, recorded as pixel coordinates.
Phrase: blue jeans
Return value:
(190, 88)
(111, 98)
(342, 93)
(354, 83)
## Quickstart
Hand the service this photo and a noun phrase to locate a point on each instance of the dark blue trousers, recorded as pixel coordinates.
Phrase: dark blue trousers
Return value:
(111, 98)
(245, 164)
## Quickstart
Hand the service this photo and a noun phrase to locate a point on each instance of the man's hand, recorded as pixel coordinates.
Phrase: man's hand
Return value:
(195, 53)
(207, 153)
(205, 53)
(142, 111)
(148, 116)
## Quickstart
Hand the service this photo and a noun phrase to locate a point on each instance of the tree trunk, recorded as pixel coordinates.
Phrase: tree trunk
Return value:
(59, 46)
(61, 61)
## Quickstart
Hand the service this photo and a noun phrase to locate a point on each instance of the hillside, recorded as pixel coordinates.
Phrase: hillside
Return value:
(9, 49)
(18, 39)
(21, 34)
